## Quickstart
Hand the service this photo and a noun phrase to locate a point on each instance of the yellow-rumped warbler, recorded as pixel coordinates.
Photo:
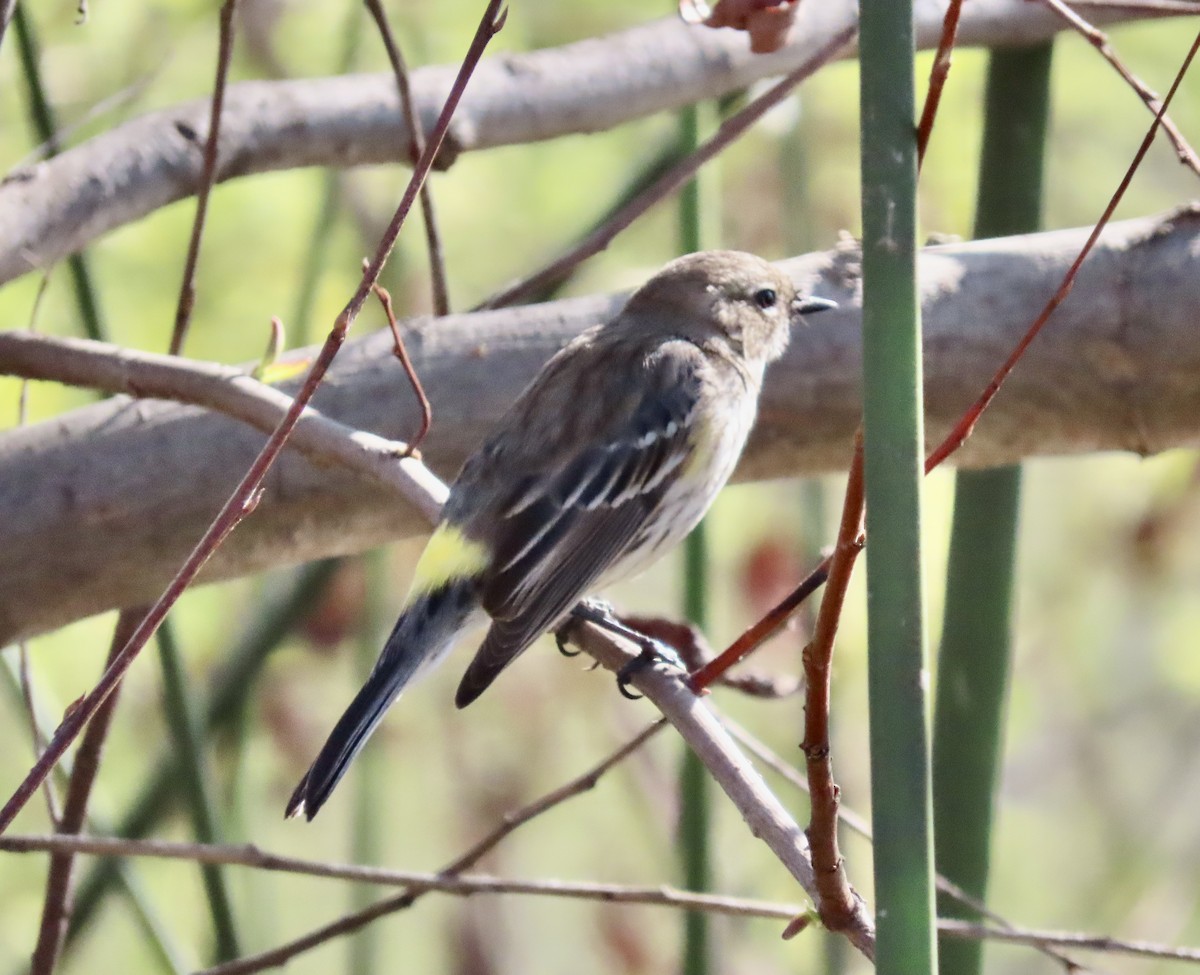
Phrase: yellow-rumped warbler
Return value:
(611, 455)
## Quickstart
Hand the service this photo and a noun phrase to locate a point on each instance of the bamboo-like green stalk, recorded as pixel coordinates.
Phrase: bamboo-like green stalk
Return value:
(189, 750)
(974, 660)
(145, 911)
(369, 772)
(893, 426)
(230, 691)
(699, 227)
(42, 117)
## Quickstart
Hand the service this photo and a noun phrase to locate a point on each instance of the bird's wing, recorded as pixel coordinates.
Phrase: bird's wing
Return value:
(558, 531)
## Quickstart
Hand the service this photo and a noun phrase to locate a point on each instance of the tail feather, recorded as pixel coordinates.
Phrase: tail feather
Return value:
(422, 635)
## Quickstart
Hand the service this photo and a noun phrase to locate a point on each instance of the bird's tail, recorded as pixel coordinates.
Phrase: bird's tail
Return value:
(422, 635)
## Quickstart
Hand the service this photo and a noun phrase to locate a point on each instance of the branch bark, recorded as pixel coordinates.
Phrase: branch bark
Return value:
(57, 207)
(100, 506)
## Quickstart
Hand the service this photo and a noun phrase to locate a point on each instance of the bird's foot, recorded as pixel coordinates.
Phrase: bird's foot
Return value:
(651, 651)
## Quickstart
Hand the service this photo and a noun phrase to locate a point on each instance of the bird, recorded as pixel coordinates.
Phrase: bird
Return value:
(609, 458)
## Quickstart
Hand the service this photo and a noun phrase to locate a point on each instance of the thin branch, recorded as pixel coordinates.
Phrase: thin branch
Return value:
(401, 352)
(937, 77)
(1099, 40)
(577, 786)
(357, 920)
(416, 140)
(471, 884)
(208, 176)
(56, 908)
(676, 176)
(765, 816)
(226, 390)
(770, 624)
(838, 903)
(963, 429)
(121, 175)
(249, 855)
(1067, 939)
(777, 617)
(858, 824)
(1185, 7)
(245, 497)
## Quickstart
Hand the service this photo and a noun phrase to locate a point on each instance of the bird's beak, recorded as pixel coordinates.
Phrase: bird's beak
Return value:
(810, 305)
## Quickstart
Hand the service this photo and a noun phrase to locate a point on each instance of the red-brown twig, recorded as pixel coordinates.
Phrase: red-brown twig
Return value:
(777, 618)
(1099, 40)
(243, 499)
(208, 176)
(962, 430)
(937, 78)
(401, 353)
(416, 138)
(730, 130)
(837, 903)
(56, 908)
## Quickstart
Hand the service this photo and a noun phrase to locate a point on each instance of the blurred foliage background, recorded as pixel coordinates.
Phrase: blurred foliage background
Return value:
(1097, 828)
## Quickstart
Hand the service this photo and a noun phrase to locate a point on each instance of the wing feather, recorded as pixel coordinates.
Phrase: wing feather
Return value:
(558, 533)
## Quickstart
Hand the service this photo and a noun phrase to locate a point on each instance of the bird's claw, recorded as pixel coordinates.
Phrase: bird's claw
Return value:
(652, 652)
(561, 640)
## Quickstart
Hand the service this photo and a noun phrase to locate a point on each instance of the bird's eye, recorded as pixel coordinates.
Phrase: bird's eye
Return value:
(765, 298)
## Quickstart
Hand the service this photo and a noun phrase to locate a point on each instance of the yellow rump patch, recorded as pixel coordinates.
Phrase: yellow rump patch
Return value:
(448, 556)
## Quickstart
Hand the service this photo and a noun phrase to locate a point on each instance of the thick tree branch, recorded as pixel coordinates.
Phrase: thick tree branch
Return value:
(57, 207)
(100, 506)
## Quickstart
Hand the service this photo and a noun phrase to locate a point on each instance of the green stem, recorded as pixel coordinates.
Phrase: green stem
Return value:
(893, 426)
(189, 749)
(231, 688)
(975, 656)
(145, 912)
(41, 116)
(699, 227)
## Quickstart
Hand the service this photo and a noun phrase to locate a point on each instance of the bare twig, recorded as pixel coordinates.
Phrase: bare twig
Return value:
(963, 429)
(577, 786)
(1157, 6)
(97, 365)
(790, 773)
(242, 501)
(858, 824)
(416, 139)
(401, 353)
(349, 923)
(1067, 939)
(122, 175)
(771, 623)
(1099, 40)
(678, 174)
(700, 728)
(937, 77)
(208, 176)
(838, 903)
(777, 617)
(248, 855)
(56, 908)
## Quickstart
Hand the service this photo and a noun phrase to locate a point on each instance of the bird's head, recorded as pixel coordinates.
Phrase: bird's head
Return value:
(729, 301)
